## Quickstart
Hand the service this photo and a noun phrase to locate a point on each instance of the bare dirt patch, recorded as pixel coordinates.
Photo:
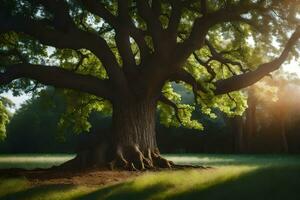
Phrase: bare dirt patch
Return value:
(87, 177)
(90, 177)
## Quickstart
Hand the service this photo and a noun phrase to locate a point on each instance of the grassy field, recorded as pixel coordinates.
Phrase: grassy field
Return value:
(233, 177)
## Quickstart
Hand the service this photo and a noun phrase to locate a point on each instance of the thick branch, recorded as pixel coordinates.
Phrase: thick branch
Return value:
(58, 77)
(74, 40)
(156, 7)
(241, 81)
(99, 9)
(203, 8)
(39, 30)
(175, 19)
(122, 38)
(153, 23)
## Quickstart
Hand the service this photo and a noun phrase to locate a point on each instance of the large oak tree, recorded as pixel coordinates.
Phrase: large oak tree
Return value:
(128, 55)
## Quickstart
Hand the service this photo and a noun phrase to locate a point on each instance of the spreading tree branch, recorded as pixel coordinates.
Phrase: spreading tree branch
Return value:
(58, 77)
(76, 39)
(153, 23)
(174, 19)
(122, 38)
(202, 24)
(99, 9)
(156, 7)
(238, 82)
(203, 7)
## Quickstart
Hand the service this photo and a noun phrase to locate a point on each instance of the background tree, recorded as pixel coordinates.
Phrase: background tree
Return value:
(123, 54)
(26, 132)
(5, 115)
(278, 115)
(270, 117)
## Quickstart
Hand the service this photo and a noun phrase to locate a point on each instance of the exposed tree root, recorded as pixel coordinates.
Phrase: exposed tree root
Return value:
(129, 158)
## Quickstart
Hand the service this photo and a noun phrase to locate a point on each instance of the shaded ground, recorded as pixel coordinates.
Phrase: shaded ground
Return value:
(233, 177)
(12, 166)
(88, 178)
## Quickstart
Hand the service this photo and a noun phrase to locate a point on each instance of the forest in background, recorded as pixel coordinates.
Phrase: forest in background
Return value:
(269, 125)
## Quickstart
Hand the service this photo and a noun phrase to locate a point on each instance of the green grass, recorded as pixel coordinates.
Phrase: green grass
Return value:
(23, 191)
(31, 161)
(233, 177)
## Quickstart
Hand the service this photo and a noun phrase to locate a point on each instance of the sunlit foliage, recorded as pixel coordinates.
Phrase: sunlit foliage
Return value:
(242, 42)
(4, 115)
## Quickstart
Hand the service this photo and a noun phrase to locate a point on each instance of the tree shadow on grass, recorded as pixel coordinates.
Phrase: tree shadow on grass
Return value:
(276, 183)
(125, 191)
(37, 192)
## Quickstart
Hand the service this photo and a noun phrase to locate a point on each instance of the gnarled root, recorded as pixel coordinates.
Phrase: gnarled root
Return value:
(132, 158)
(128, 157)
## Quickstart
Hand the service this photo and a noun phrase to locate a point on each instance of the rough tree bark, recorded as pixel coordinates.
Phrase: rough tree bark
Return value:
(132, 143)
(134, 136)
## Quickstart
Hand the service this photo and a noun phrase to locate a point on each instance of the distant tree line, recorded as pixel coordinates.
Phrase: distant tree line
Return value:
(271, 121)
(35, 128)
(270, 126)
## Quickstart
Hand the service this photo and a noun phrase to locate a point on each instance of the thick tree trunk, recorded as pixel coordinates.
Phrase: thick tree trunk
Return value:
(134, 136)
(134, 124)
(132, 142)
